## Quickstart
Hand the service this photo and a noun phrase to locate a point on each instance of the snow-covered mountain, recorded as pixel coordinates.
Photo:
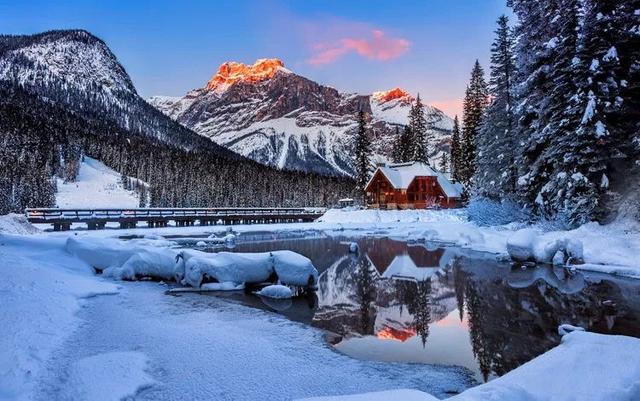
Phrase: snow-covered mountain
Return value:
(276, 117)
(77, 70)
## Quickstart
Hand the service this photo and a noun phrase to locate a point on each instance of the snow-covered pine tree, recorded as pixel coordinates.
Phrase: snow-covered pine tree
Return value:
(495, 174)
(361, 155)
(475, 102)
(455, 149)
(420, 136)
(534, 51)
(600, 157)
(396, 152)
(444, 163)
(406, 151)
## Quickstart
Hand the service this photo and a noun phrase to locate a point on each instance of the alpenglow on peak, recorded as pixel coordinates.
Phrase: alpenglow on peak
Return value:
(392, 94)
(231, 72)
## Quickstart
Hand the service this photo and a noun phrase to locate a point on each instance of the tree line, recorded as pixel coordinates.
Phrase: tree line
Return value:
(41, 140)
(557, 127)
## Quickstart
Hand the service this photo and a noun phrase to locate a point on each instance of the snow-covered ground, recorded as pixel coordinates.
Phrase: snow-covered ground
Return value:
(138, 341)
(96, 186)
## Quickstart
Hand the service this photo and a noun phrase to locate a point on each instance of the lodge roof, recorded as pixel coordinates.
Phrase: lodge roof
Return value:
(401, 175)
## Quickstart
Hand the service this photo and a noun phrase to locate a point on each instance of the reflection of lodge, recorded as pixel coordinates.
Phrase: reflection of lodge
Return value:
(412, 185)
(512, 315)
(392, 291)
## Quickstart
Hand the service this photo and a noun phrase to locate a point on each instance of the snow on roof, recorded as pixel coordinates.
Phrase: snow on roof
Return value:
(402, 174)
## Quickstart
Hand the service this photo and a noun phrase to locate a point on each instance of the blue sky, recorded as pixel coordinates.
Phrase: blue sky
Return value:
(170, 47)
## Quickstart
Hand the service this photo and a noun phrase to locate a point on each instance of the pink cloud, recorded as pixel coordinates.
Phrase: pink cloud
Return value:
(378, 48)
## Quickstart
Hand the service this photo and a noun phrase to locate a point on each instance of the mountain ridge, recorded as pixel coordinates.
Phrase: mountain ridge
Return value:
(283, 119)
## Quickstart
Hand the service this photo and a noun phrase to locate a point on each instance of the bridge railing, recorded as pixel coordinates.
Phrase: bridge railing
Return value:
(48, 214)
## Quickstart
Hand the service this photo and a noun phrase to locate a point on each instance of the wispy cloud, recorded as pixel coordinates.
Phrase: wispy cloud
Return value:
(377, 47)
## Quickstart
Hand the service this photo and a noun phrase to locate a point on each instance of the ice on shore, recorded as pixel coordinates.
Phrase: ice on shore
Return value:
(527, 245)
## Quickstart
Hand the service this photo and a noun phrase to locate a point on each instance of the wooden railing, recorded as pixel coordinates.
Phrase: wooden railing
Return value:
(95, 218)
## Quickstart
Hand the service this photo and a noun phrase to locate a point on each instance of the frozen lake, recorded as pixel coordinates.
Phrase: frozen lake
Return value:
(427, 304)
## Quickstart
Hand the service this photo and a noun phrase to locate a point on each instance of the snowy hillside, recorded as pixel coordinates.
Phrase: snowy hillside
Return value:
(271, 115)
(96, 186)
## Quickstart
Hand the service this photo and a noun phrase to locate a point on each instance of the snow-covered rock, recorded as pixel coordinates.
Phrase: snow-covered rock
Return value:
(156, 263)
(227, 266)
(520, 245)
(294, 269)
(100, 253)
(565, 329)
(527, 245)
(276, 291)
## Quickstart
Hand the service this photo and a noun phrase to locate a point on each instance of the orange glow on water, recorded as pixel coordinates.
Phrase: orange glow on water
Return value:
(389, 333)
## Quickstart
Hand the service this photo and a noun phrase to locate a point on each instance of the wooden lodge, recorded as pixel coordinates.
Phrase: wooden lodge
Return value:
(412, 185)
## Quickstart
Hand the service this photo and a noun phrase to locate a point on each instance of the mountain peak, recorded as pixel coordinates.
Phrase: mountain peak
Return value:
(232, 72)
(392, 94)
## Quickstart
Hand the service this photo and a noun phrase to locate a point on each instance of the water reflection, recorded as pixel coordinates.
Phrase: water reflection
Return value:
(417, 303)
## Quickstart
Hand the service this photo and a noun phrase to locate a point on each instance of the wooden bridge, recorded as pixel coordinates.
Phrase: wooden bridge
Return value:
(95, 219)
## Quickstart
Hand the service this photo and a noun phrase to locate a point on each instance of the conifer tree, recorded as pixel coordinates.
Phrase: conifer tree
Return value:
(420, 136)
(495, 174)
(406, 151)
(362, 154)
(396, 152)
(475, 102)
(444, 163)
(455, 149)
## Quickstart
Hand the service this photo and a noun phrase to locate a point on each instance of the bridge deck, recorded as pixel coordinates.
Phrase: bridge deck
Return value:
(97, 218)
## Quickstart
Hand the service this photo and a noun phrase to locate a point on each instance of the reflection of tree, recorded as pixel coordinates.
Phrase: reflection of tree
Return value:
(365, 293)
(479, 339)
(459, 279)
(422, 315)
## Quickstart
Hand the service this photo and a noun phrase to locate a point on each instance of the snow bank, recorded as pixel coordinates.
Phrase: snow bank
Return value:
(392, 216)
(110, 376)
(42, 288)
(100, 253)
(276, 291)
(571, 371)
(14, 223)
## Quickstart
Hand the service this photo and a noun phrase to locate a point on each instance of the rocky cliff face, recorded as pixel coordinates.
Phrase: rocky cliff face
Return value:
(268, 113)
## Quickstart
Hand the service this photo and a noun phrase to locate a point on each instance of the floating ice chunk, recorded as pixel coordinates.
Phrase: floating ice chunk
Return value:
(276, 291)
(353, 247)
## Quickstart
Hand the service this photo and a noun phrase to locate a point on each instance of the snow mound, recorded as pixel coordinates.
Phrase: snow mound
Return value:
(564, 329)
(276, 291)
(290, 267)
(294, 269)
(14, 223)
(157, 263)
(110, 376)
